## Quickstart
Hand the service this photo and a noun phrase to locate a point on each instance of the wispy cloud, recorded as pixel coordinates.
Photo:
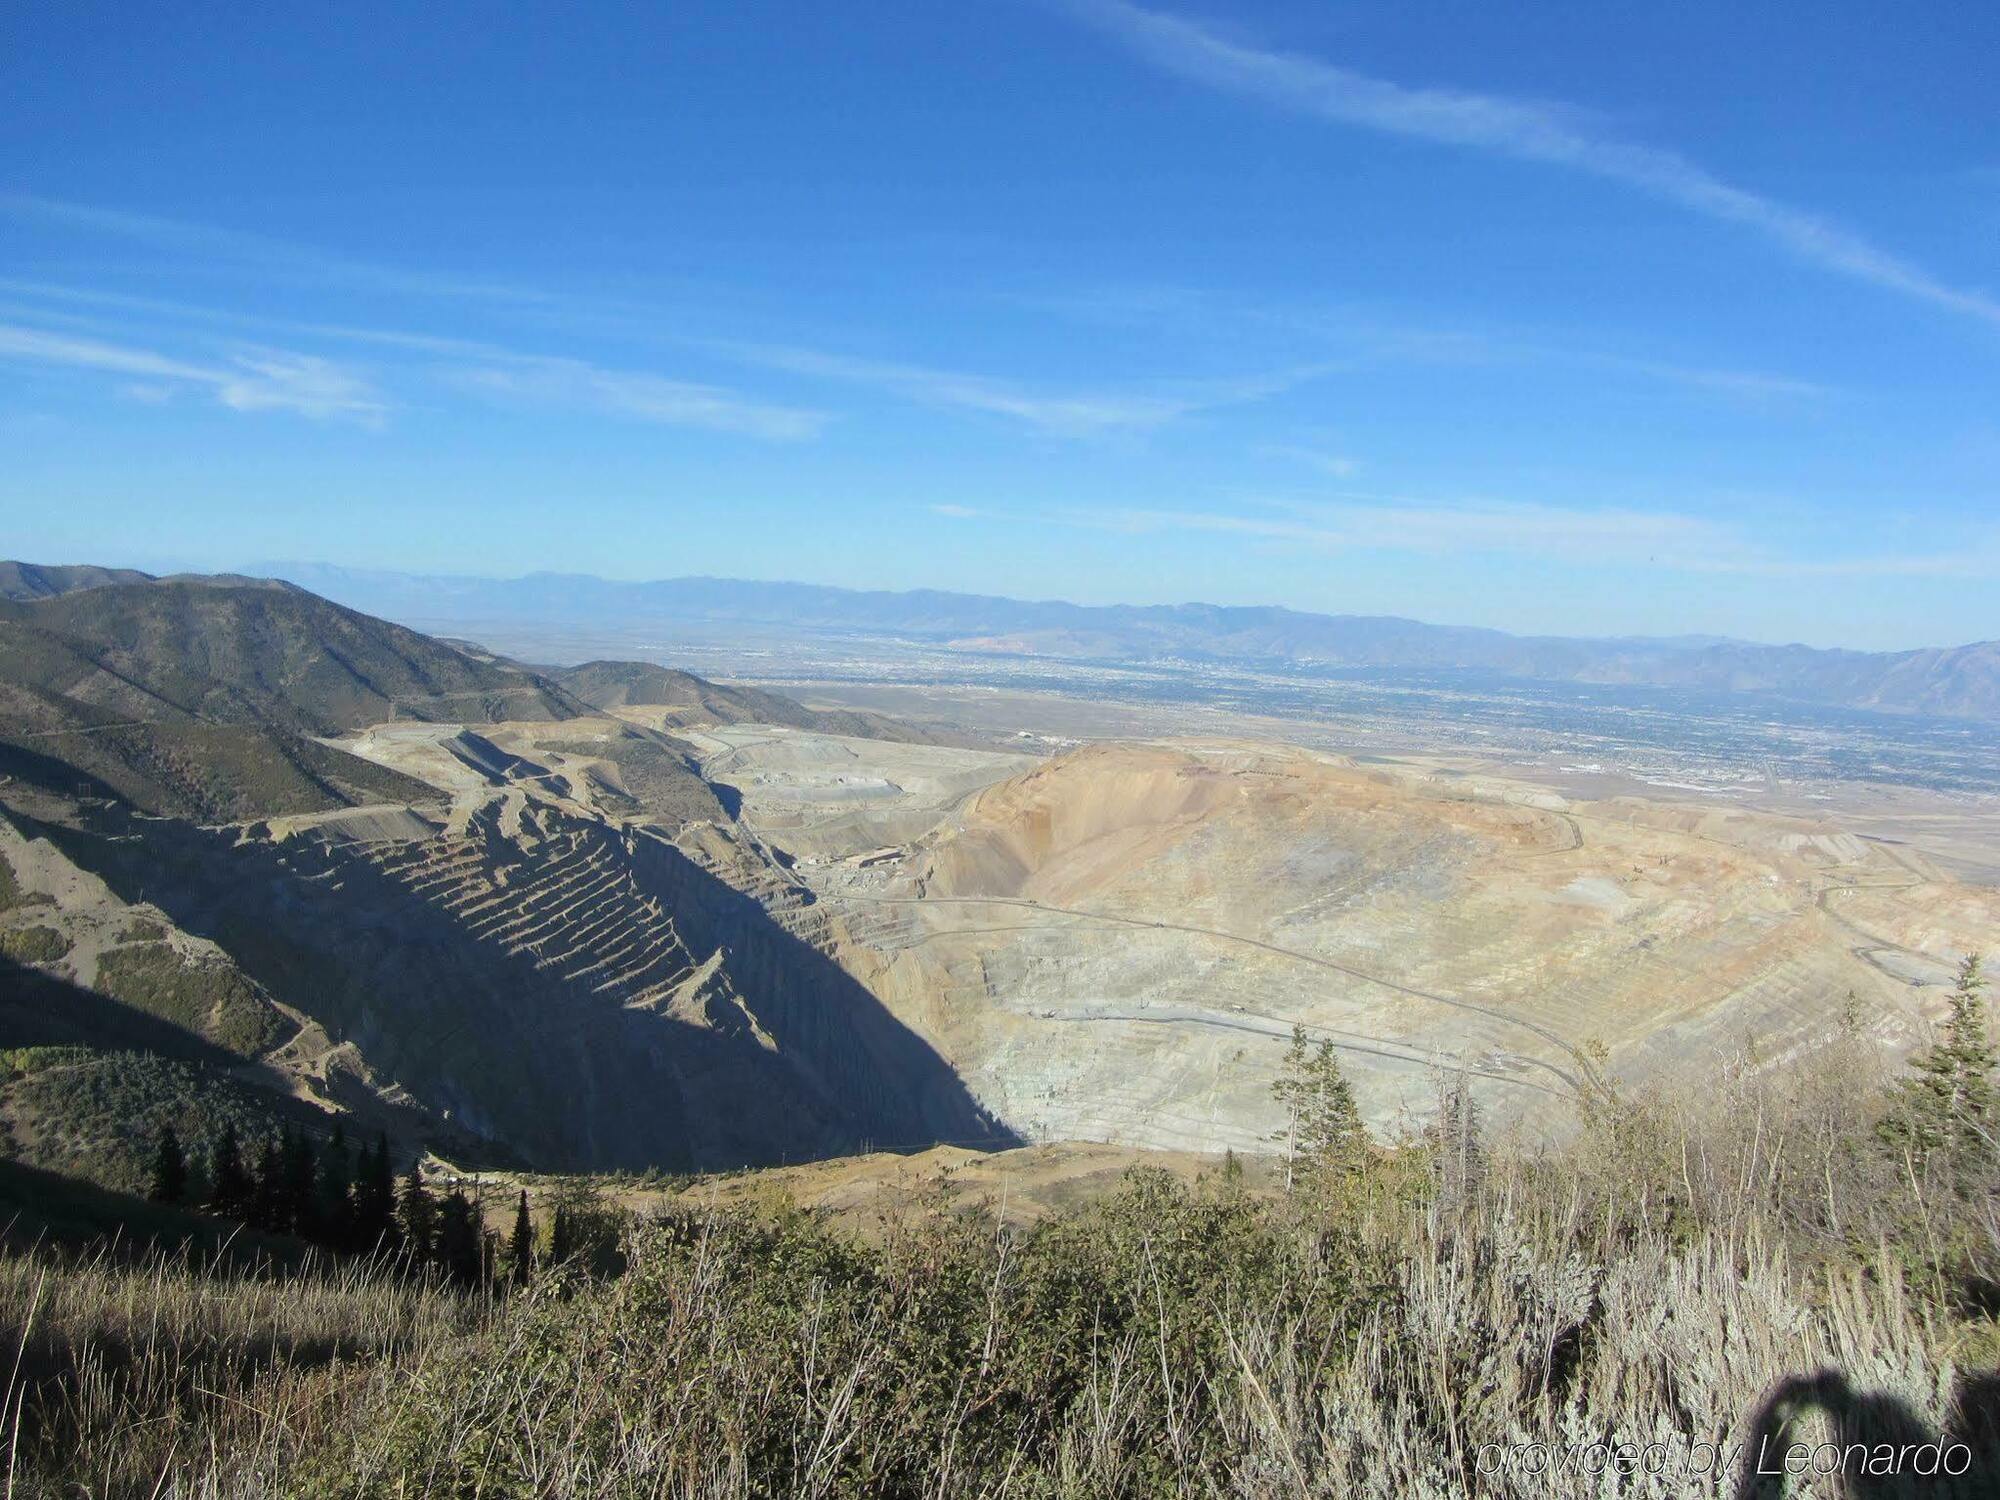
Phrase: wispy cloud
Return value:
(1362, 339)
(46, 295)
(279, 380)
(1065, 413)
(1607, 536)
(1526, 130)
(252, 379)
(639, 395)
(496, 372)
(1062, 413)
(278, 258)
(1518, 527)
(492, 370)
(1980, 559)
(479, 367)
(1475, 346)
(1057, 412)
(1332, 465)
(1740, 385)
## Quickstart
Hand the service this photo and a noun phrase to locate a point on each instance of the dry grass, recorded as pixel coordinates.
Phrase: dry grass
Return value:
(171, 1377)
(1675, 1278)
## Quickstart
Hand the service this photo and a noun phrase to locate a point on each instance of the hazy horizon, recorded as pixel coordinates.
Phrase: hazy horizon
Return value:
(276, 568)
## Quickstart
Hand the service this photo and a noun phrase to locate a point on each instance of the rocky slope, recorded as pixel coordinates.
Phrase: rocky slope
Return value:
(569, 939)
(254, 652)
(512, 943)
(1116, 944)
(209, 699)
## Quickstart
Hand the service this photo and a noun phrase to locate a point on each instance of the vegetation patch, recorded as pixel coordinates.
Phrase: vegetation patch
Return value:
(657, 779)
(1699, 1280)
(34, 945)
(209, 998)
(18, 1062)
(99, 1115)
(11, 894)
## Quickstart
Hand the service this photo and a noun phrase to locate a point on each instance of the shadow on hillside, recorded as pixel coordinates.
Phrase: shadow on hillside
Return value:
(908, 1096)
(1873, 1441)
(89, 1337)
(51, 1211)
(493, 1043)
(40, 1010)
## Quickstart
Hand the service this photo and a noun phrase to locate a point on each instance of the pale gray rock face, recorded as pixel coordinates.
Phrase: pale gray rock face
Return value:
(1114, 945)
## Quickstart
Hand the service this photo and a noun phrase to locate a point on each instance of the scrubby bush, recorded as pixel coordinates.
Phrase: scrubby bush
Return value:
(210, 998)
(1450, 1316)
(34, 945)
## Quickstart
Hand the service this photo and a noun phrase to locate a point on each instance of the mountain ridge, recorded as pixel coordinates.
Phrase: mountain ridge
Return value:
(1956, 681)
(24, 580)
(261, 854)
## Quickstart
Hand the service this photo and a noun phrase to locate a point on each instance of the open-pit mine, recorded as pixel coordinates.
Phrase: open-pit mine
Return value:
(616, 916)
(1115, 943)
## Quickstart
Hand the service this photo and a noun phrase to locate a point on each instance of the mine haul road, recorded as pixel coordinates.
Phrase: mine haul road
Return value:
(1580, 1087)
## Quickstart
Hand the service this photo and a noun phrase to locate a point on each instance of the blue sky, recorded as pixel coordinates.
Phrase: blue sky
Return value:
(1574, 318)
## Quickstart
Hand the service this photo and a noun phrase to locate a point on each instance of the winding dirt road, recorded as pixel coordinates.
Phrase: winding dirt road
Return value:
(1586, 1081)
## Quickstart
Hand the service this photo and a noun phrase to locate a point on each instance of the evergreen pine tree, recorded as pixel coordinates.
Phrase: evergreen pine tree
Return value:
(562, 1235)
(382, 1191)
(298, 1201)
(1289, 1091)
(333, 1212)
(267, 1202)
(521, 1244)
(374, 1199)
(1459, 1155)
(170, 1175)
(1949, 1110)
(1322, 1135)
(417, 1216)
(459, 1232)
(229, 1187)
(365, 1216)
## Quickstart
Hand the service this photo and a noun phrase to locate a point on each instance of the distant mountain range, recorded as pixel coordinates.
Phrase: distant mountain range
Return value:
(1962, 681)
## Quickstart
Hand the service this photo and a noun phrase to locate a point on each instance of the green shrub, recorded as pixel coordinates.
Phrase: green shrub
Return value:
(34, 945)
(11, 894)
(209, 998)
(18, 1062)
(1656, 1278)
(98, 1115)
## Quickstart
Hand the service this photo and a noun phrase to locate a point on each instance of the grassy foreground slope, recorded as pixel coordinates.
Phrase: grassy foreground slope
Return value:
(1643, 1314)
